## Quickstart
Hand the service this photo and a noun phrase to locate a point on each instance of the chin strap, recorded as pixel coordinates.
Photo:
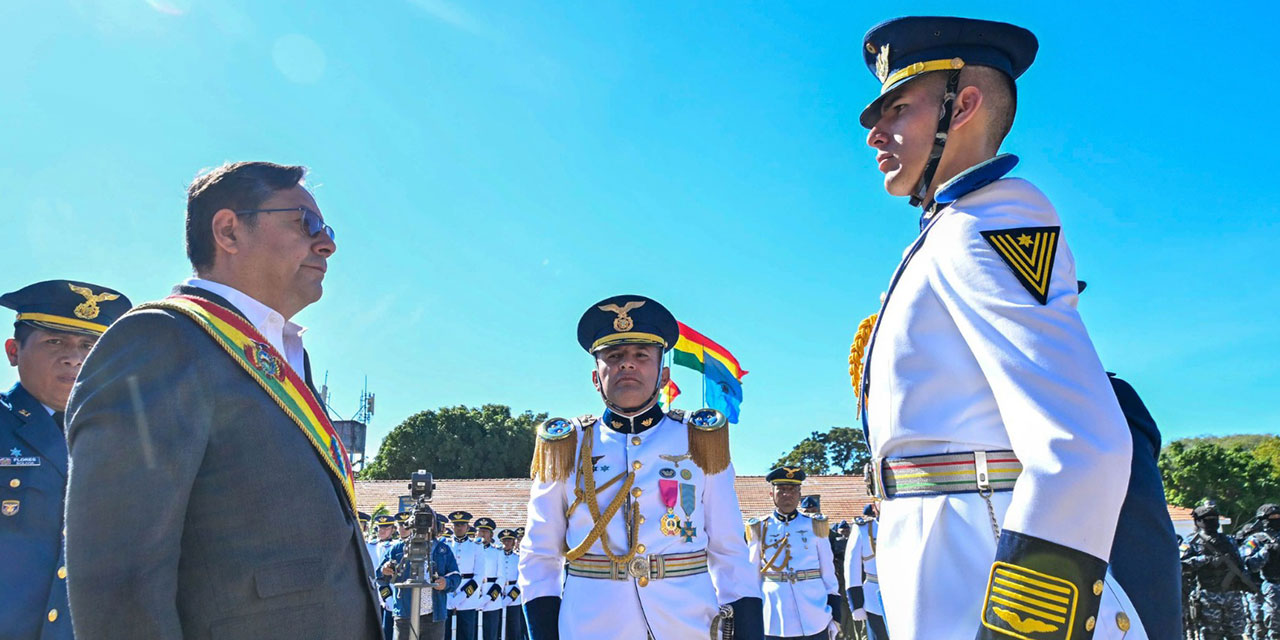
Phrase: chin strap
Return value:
(629, 412)
(939, 140)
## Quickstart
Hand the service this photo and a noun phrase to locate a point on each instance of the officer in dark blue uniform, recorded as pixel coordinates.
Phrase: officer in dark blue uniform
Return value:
(58, 323)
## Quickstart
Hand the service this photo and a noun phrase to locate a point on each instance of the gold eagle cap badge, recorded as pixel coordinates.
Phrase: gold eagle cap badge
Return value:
(623, 322)
(882, 63)
(88, 309)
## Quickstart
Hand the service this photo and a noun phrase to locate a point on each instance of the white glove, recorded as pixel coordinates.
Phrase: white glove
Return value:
(859, 614)
(833, 630)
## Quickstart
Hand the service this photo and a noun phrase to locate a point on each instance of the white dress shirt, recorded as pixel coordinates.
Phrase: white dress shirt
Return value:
(284, 335)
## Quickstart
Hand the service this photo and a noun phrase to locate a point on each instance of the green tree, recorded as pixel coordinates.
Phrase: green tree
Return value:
(820, 453)
(1269, 451)
(1234, 478)
(458, 442)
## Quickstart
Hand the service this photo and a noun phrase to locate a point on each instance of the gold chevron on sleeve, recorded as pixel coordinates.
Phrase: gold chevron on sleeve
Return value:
(1029, 252)
(1029, 605)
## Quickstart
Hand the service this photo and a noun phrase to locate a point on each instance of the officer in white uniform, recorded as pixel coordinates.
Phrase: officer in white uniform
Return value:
(797, 569)
(490, 596)
(998, 445)
(637, 507)
(862, 580)
(465, 600)
(511, 597)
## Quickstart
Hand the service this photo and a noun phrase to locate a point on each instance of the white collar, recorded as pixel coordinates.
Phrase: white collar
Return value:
(259, 315)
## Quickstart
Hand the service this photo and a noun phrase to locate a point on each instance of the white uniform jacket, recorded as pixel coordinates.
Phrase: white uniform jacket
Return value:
(860, 565)
(510, 578)
(965, 357)
(471, 567)
(493, 576)
(793, 545)
(670, 607)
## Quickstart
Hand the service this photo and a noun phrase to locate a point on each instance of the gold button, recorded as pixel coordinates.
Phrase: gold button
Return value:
(1122, 621)
(643, 581)
(1097, 588)
(1088, 624)
(62, 572)
(636, 465)
(53, 615)
(635, 440)
(640, 548)
(15, 483)
(635, 493)
(640, 520)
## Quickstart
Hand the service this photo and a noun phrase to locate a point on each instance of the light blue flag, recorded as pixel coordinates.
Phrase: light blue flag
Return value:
(723, 392)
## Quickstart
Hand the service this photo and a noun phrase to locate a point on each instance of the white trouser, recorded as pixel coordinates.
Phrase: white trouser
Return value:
(934, 556)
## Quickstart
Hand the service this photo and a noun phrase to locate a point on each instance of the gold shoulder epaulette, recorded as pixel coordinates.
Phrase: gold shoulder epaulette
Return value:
(753, 529)
(708, 440)
(554, 451)
(821, 525)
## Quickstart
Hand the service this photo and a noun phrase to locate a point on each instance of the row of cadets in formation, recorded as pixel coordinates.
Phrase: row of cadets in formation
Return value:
(489, 581)
(489, 590)
(58, 322)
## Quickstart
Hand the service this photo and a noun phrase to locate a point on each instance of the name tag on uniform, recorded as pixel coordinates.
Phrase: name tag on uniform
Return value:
(20, 461)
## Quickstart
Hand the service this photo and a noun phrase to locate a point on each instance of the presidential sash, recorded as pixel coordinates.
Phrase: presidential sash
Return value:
(272, 372)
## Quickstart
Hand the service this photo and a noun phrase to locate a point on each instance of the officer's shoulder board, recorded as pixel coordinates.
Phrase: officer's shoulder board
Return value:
(708, 440)
(753, 529)
(1029, 252)
(821, 526)
(555, 449)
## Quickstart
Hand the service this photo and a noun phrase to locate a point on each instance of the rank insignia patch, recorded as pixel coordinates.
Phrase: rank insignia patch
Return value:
(9, 507)
(1022, 603)
(1029, 252)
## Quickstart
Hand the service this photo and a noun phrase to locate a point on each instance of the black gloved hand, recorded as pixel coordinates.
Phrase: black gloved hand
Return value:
(748, 619)
(543, 615)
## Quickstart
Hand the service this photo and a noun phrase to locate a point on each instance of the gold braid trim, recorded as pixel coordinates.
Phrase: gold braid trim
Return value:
(821, 526)
(753, 530)
(587, 475)
(553, 459)
(709, 449)
(856, 352)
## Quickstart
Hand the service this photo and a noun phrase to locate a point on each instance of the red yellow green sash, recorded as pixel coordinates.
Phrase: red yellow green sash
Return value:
(272, 372)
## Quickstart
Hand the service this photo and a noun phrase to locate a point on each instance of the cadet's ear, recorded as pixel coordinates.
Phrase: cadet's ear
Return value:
(666, 377)
(226, 226)
(965, 108)
(595, 379)
(11, 350)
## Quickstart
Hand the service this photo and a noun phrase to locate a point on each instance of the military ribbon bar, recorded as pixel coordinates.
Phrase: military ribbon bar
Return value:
(272, 372)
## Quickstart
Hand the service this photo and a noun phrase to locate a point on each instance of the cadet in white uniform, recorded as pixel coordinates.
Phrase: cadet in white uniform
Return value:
(490, 595)
(862, 580)
(638, 507)
(465, 600)
(979, 370)
(797, 568)
(511, 598)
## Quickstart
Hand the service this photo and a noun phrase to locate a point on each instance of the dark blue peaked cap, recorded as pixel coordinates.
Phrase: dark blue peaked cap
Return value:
(903, 49)
(67, 305)
(628, 319)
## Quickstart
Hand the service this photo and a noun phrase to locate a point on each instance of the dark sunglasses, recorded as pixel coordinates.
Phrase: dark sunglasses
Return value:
(311, 220)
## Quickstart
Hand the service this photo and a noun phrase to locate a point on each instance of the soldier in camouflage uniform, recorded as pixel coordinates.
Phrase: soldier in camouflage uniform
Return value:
(1261, 553)
(1211, 558)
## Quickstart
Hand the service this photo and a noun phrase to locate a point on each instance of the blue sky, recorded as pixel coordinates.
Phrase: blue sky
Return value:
(493, 168)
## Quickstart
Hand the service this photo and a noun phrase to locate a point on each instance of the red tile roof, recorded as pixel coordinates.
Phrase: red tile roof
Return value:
(504, 499)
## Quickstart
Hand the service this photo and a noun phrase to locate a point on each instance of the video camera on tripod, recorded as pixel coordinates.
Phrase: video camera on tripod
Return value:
(417, 550)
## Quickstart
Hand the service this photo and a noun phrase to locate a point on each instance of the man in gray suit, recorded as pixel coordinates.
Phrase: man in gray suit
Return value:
(196, 415)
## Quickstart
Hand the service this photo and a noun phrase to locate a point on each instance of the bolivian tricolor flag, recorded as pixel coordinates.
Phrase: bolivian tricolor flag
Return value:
(722, 375)
(669, 393)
